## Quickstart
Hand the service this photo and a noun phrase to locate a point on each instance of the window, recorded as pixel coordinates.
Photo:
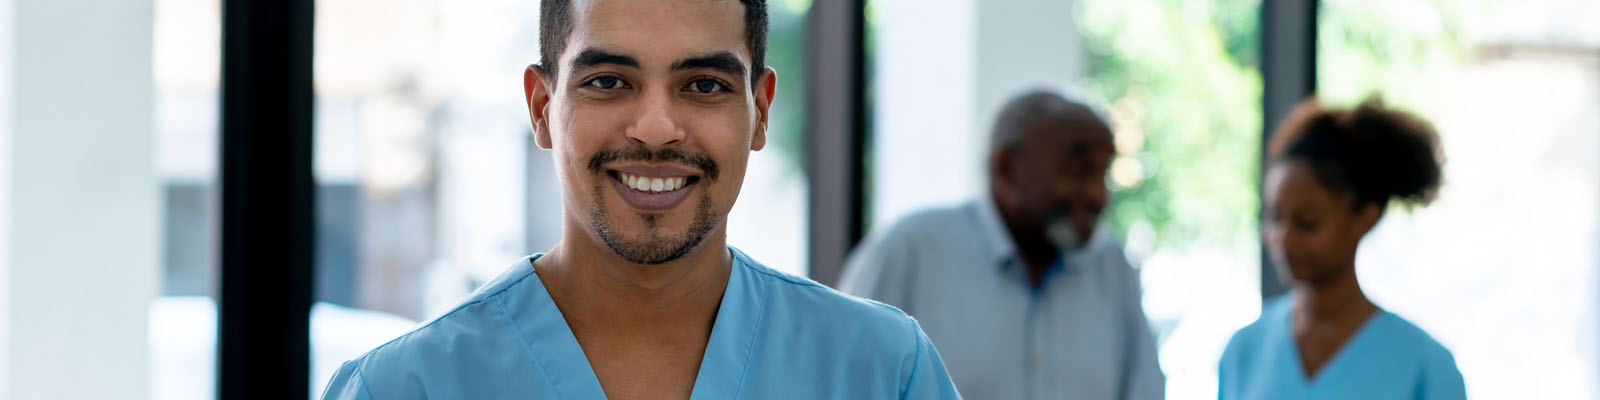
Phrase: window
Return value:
(1501, 267)
(1184, 93)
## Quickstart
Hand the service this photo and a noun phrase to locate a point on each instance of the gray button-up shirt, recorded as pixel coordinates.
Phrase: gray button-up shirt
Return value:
(1081, 335)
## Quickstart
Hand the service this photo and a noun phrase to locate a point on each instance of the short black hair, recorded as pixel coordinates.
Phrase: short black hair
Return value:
(555, 25)
(1377, 153)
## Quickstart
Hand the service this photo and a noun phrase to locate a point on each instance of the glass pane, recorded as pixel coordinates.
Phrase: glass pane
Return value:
(422, 163)
(1501, 268)
(1186, 170)
(183, 320)
(770, 219)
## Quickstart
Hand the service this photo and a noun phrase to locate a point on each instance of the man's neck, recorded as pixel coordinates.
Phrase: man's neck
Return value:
(591, 284)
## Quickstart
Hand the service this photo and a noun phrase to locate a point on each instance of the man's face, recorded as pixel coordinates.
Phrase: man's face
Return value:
(1058, 181)
(652, 117)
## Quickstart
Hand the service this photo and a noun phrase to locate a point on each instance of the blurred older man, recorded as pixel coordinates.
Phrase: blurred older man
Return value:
(1023, 291)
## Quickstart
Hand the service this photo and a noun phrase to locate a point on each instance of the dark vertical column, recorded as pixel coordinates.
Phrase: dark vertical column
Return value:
(835, 132)
(267, 200)
(1289, 75)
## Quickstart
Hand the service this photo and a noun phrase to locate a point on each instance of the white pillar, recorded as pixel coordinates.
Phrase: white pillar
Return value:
(6, 33)
(84, 200)
(943, 68)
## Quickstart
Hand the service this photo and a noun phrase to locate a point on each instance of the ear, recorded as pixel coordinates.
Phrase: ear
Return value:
(766, 88)
(536, 90)
(1002, 174)
(1368, 215)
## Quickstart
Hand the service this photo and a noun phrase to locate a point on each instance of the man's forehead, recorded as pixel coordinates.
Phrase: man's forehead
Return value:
(1070, 132)
(658, 32)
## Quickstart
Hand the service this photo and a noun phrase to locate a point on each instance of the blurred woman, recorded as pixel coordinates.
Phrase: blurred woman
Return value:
(1331, 175)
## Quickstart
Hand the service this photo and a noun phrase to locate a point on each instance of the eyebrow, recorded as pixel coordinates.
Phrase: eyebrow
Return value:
(719, 61)
(595, 57)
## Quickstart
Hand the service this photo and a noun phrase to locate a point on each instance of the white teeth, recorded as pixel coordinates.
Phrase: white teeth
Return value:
(653, 185)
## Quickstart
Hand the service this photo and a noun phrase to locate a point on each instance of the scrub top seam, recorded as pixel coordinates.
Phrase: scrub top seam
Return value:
(749, 348)
(362, 377)
(481, 299)
(916, 358)
(527, 348)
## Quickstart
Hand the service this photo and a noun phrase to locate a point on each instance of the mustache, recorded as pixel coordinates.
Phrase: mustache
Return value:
(640, 153)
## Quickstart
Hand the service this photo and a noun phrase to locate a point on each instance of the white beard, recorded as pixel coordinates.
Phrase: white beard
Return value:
(1064, 235)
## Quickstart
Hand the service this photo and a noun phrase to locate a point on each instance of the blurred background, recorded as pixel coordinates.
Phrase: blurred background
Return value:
(427, 183)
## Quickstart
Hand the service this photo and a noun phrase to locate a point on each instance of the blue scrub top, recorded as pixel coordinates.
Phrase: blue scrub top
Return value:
(776, 336)
(1386, 358)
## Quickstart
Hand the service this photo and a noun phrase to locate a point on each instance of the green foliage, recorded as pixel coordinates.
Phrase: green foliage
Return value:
(785, 53)
(1185, 96)
(1391, 48)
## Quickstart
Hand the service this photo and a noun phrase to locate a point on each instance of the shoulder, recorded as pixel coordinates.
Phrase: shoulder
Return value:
(1246, 339)
(928, 224)
(1406, 335)
(1437, 375)
(903, 242)
(470, 330)
(842, 343)
(801, 303)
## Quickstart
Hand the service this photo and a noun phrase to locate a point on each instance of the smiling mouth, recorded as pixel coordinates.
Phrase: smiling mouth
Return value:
(653, 184)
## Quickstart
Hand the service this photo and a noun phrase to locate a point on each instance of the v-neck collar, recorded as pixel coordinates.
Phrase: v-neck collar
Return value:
(561, 361)
(1340, 355)
(733, 335)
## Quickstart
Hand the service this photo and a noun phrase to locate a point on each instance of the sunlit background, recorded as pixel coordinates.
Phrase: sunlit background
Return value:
(428, 182)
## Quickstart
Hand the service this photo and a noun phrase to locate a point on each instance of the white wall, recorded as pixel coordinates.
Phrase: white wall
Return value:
(83, 200)
(6, 24)
(943, 68)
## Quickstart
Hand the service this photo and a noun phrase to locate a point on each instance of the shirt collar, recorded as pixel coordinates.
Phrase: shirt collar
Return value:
(1002, 249)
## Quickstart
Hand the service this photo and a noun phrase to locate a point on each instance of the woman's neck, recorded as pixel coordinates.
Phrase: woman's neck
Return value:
(1340, 299)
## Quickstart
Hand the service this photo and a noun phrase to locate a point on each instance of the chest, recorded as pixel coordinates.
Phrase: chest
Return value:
(645, 365)
(1319, 343)
(999, 339)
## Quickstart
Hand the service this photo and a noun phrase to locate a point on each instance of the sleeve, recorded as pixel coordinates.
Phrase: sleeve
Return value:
(928, 378)
(879, 269)
(347, 384)
(1142, 378)
(1226, 367)
(1441, 380)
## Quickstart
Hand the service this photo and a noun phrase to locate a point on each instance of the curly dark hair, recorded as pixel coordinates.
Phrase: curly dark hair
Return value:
(1377, 153)
(555, 24)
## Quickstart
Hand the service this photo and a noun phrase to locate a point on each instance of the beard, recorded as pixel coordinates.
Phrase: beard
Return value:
(652, 247)
(1064, 234)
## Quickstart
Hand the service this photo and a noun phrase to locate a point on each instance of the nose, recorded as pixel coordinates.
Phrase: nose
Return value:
(1089, 195)
(654, 126)
(1096, 195)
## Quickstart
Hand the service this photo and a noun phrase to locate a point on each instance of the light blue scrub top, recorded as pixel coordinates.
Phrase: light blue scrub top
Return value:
(776, 336)
(1386, 358)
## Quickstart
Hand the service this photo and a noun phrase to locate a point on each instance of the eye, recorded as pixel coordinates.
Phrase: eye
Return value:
(706, 86)
(1306, 224)
(605, 82)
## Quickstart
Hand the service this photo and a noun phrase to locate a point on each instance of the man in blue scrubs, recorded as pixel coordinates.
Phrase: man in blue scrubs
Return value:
(651, 109)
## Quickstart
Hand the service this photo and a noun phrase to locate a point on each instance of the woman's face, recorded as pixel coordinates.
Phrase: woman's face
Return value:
(1311, 230)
